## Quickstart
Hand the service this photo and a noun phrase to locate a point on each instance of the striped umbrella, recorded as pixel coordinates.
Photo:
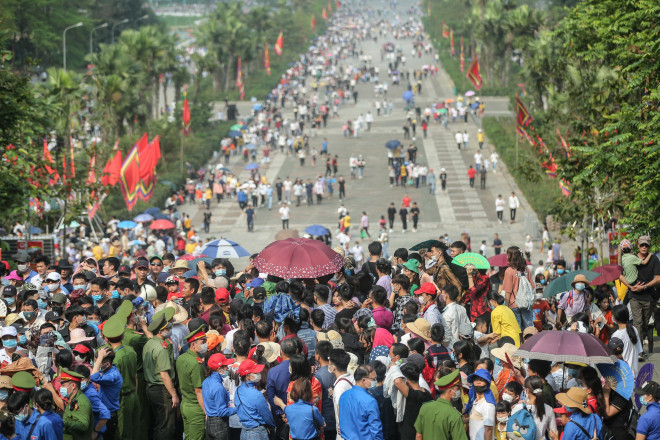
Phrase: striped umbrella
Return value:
(224, 248)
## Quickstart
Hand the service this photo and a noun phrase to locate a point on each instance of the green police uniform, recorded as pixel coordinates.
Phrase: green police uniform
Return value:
(157, 357)
(126, 363)
(78, 417)
(439, 420)
(191, 375)
(137, 341)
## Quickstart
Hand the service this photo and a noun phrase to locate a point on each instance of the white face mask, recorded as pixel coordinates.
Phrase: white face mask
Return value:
(507, 397)
(503, 419)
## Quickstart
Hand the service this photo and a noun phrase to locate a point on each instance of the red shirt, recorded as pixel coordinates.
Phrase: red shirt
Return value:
(472, 172)
(406, 202)
(174, 295)
(538, 309)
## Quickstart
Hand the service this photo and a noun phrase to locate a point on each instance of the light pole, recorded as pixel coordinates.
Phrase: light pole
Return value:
(144, 17)
(114, 26)
(104, 25)
(64, 41)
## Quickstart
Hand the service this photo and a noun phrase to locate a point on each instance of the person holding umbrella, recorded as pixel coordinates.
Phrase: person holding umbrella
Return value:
(575, 300)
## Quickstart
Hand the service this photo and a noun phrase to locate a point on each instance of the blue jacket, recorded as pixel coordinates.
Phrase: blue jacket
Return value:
(252, 408)
(327, 380)
(43, 430)
(304, 420)
(57, 422)
(277, 384)
(359, 418)
(99, 409)
(111, 382)
(216, 398)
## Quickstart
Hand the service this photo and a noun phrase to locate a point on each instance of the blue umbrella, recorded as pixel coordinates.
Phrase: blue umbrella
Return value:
(317, 230)
(251, 166)
(190, 273)
(152, 211)
(225, 170)
(224, 248)
(235, 134)
(138, 243)
(192, 264)
(251, 146)
(257, 106)
(126, 224)
(408, 95)
(143, 218)
(393, 144)
(161, 216)
(35, 230)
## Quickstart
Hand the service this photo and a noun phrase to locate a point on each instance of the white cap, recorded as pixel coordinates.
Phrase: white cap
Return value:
(54, 276)
(9, 331)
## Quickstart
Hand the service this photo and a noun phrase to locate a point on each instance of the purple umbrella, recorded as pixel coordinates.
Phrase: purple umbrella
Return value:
(565, 346)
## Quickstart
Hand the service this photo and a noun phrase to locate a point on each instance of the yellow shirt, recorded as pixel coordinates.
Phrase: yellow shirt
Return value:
(98, 252)
(480, 137)
(190, 248)
(208, 194)
(347, 221)
(187, 223)
(505, 324)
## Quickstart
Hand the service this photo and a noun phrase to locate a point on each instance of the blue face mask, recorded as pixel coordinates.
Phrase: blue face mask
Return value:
(580, 286)
(115, 294)
(5, 282)
(93, 323)
(4, 395)
(22, 339)
(10, 343)
(42, 304)
(10, 300)
(64, 392)
(542, 281)
(97, 298)
(21, 417)
(560, 271)
(83, 385)
(220, 272)
(80, 286)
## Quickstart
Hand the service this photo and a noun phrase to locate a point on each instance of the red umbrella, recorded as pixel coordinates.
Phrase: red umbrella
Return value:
(190, 257)
(162, 224)
(565, 346)
(500, 260)
(608, 273)
(298, 258)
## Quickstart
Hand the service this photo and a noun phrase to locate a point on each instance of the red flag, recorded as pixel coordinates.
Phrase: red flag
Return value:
(313, 24)
(267, 60)
(324, 13)
(72, 160)
(451, 41)
(462, 57)
(91, 175)
(338, 3)
(186, 117)
(564, 144)
(279, 44)
(565, 187)
(522, 115)
(49, 159)
(445, 31)
(129, 175)
(239, 79)
(64, 168)
(148, 160)
(473, 73)
(111, 170)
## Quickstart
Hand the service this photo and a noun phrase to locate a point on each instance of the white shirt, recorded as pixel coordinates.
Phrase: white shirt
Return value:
(499, 204)
(514, 203)
(545, 425)
(481, 415)
(343, 383)
(630, 351)
(466, 137)
(482, 248)
(284, 212)
(357, 252)
(477, 158)
(459, 138)
(4, 357)
(454, 315)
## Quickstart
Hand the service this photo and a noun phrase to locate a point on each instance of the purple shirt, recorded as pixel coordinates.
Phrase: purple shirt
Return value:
(573, 302)
(386, 283)
(383, 317)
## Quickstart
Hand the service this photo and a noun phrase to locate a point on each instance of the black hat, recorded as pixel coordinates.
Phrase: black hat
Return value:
(615, 344)
(259, 293)
(89, 275)
(9, 291)
(124, 269)
(64, 264)
(651, 388)
(141, 262)
(53, 316)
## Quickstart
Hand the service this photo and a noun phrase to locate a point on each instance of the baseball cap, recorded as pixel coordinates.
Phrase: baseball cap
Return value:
(14, 276)
(54, 276)
(59, 298)
(428, 288)
(9, 291)
(465, 330)
(615, 344)
(259, 293)
(649, 387)
(53, 316)
(222, 295)
(172, 279)
(9, 331)
(162, 277)
(256, 282)
(644, 239)
(141, 263)
(124, 269)
(219, 360)
(249, 367)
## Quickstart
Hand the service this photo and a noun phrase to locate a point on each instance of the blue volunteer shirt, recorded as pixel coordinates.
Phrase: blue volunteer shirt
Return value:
(304, 419)
(359, 418)
(43, 430)
(327, 380)
(277, 384)
(649, 422)
(216, 398)
(587, 421)
(99, 409)
(110, 382)
(252, 408)
(57, 422)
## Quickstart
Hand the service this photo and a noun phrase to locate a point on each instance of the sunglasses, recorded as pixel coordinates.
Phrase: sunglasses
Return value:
(48, 282)
(644, 245)
(156, 264)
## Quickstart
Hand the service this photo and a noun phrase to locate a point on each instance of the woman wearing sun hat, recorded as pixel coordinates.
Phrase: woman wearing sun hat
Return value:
(583, 425)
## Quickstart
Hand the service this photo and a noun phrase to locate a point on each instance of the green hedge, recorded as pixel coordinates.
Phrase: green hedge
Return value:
(540, 190)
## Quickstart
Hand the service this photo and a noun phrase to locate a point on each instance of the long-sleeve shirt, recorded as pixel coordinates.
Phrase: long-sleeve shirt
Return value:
(277, 384)
(330, 314)
(359, 417)
(454, 315)
(99, 410)
(216, 398)
(504, 323)
(43, 430)
(252, 408)
(304, 419)
(383, 317)
(56, 421)
(110, 382)
(475, 296)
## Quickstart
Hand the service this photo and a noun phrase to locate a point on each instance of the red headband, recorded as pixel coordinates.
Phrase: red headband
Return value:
(66, 376)
(197, 336)
(449, 385)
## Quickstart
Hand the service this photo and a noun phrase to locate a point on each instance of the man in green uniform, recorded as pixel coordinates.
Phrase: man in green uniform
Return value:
(78, 417)
(439, 420)
(136, 339)
(126, 363)
(159, 375)
(191, 375)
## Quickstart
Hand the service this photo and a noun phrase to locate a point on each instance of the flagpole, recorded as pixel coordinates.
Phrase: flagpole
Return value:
(517, 134)
(182, 152)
